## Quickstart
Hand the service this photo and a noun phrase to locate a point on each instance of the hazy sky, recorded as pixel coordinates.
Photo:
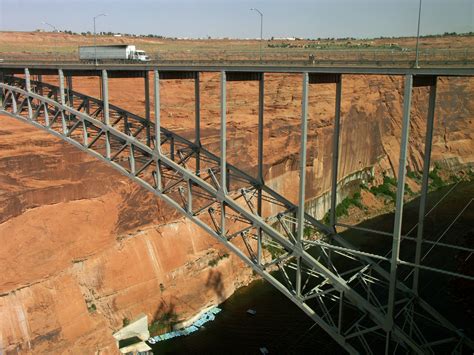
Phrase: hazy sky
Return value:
(232, 18)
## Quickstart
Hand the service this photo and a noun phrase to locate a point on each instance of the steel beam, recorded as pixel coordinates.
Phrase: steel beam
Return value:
(335, 153)
(261, 110)
(62, 98)
(105, 98)
(223, 134)
(28, 89)
(223, 152)
(2, 80)
(301, 191)
(424, 184)
(197, 121)
(187, 71)
(397, 227)
(156, 97)
(70, 96)
(147, 107)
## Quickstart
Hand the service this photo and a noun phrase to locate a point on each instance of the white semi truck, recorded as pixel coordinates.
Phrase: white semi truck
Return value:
(121, 52)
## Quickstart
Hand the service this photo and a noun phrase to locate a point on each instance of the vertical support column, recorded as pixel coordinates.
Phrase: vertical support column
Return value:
(62, 99)
(223, 147)
(101, 89)
(301, 193)
(70, 96)
(189, 205)
(40, 87)
(424, 185)
(105, 98)
(335, 153)
(156, 92)
(197, 121)
(61, 87)
(28, 89)
(261, 109)
(397, 227)
(147, 107)
(2, 95)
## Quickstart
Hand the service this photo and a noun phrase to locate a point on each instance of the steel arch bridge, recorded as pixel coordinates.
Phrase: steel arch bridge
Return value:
(356, 297)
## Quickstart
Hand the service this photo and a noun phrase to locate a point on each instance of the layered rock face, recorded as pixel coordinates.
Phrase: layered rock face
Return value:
(83, 248)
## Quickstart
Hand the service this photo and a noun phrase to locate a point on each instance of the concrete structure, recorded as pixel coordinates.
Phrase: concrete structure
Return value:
(131, 338)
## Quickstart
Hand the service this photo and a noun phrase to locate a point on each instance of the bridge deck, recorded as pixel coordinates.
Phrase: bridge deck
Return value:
(77, 69)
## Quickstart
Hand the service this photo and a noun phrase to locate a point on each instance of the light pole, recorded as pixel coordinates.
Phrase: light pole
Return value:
(50, 25)
(54, 30)
(95, 41)
(261, 29)
(418, 37)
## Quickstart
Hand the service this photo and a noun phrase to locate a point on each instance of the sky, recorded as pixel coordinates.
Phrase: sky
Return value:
(233, 18)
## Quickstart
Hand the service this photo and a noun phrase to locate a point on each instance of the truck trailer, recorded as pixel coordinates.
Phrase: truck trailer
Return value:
(110, 53)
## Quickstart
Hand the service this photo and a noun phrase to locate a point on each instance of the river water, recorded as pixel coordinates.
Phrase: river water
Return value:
(283, 328)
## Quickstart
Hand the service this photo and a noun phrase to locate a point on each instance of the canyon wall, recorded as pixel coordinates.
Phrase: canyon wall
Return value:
(83, 248)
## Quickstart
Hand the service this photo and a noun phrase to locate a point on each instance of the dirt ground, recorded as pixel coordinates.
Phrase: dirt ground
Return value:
(61, 46)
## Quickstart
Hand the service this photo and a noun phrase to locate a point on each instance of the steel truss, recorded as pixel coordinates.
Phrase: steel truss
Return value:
(354, 295)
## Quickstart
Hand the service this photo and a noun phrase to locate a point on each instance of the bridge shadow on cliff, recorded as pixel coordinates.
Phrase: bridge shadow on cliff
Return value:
(214, 282)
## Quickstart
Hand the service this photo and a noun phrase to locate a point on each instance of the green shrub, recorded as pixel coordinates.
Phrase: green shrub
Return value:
(414, 175)
(409, 190)
(274, 251)
(436, 180)
(384, 190)
(163, 324)
(470, 174)
(215, 261)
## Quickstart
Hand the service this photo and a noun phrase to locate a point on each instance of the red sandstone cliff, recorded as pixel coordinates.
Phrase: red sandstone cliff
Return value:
(83, 248)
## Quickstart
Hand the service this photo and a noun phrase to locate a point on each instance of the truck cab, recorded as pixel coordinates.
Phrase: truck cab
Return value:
(141, 56)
